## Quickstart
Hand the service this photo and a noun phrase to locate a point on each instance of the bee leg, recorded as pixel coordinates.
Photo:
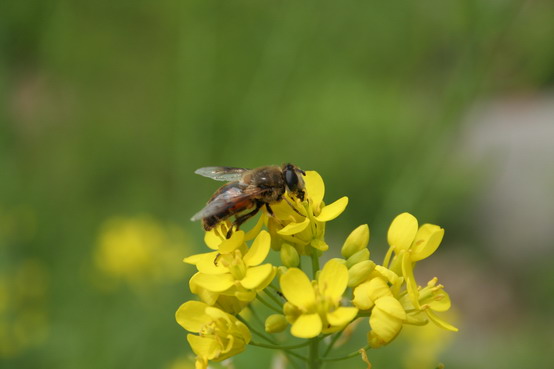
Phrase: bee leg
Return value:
(293, 208)
(243, 218)
(272, 214)
(269, 210)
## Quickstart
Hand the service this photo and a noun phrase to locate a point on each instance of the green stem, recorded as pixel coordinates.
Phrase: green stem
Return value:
(271, 296)
(255, 331)
(315, 263)
(333, 341)
(279, 347)
(314, 359)
(287, 352)
(273, 287)
(270, 340)
(255, 315)
(350, 355)
(260, 299)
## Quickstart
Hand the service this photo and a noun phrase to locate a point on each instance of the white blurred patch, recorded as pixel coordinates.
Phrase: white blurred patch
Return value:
(515, 138)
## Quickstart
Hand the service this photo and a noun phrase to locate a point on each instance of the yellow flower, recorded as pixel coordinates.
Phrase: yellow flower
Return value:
(216, 238)
(314, 307)
(387, 314)
(432, 298)
(220, 335)
(386, 320)
(139, 251)
(303, 224)
(411, 244)
(233, 271)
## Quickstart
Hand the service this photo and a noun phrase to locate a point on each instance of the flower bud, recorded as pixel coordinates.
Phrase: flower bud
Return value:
(359, 272)
(275, 323)
(289, 256)
(356, 241)
(281, 269)
(358, 257)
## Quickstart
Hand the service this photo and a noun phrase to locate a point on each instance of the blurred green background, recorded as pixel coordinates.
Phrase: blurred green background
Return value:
(439, 108)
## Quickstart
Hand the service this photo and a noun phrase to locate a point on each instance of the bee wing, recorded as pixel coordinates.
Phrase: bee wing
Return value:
(226, 174)
(225, 200)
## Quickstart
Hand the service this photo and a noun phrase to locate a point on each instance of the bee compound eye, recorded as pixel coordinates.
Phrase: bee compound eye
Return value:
(291, 179)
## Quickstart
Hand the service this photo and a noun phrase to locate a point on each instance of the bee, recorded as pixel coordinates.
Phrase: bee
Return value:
(248, 189)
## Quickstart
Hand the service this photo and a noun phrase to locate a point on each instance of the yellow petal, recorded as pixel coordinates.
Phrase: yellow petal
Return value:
(232, 243)
(207, 263)
(418, 318)
(368, 292)
(245, 296)
(306, 326)
(251, 234)
(206, 296)
(342, 316)
(294, 228)
(402, 231)
(427, 240)
(230, 304)
(212, 239)
(283, 211)
(319, 244)
(388, 274)
(362, 298)
(441, 301)
(259, 249)
(392, 306)
(331, 211)
(191, 315)
(378, 288)
(384, 325)
(297, 288)
(217, 314)
(243, 331)
(193, 259)
(411, 285)
(255, 276)
(268, 279)
(214, 282)
(441, 323)
(201, 363)
(315, 188)
(332, 280)
(205, 347)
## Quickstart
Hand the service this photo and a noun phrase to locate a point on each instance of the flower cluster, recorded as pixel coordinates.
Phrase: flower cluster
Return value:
(313, 303)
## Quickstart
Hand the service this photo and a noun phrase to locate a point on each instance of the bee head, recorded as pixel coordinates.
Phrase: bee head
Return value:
(293, 180)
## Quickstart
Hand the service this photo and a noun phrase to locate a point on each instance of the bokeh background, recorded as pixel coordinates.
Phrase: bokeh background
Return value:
(441, 108)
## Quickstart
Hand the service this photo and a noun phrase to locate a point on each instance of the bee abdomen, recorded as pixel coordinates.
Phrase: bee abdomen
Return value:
(210, 222)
